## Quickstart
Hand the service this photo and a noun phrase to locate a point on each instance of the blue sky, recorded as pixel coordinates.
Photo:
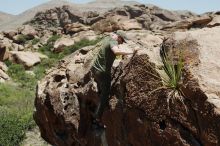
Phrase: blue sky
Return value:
(198, 6)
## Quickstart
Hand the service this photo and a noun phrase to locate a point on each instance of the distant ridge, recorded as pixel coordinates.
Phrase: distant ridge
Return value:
(5, 16)
(98, 5)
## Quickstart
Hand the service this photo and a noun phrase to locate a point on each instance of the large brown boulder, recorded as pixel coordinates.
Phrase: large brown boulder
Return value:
(138, 113)
(29, 31)
(75, 27)
(127, 24)
(28, 59)
(10, 34)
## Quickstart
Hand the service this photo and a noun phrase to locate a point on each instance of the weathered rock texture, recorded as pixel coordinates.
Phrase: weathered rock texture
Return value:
(137, 113)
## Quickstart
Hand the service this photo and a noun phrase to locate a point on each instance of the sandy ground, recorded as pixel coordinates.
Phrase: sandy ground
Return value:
(33, 138)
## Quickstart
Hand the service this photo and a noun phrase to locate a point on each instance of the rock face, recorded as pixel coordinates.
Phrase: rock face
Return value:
(127, 18)
(75, 27)
(207, 70)
(138, 111)
(28, 59)
(61, 43)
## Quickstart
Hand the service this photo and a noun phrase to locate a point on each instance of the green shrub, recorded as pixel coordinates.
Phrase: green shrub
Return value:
(35, 41)
(13, 127)
(173, 76)
(22, 38)
(53, 39)
(78, 45)
(173, 71)
(16, 108)
(41, 68)
(13, 95)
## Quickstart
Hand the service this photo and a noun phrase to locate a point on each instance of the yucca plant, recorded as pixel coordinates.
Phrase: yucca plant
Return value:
(173, 75)
(173, 70)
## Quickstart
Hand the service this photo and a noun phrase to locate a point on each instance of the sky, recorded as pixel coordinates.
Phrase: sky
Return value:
(198, 6)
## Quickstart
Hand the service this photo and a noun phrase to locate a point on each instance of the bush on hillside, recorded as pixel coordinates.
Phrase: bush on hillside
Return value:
(22, 39)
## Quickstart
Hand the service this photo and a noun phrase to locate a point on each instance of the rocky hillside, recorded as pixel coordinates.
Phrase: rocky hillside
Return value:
(4, 17)
(150, 105)
(100, 6)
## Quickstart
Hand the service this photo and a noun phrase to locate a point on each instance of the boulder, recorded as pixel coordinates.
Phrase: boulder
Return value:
(208, 68)
(89, 35)
(91, 17)
(108, 24)
(17, 47)
(74, 28)
(28, 31)
(7, 43)
(164, 15)
(183, 25)
(3, 52)
(3, 76)
(3, 69)
(138, 113)
(28, 59)
(201, 21)
(128, 24)
(61, 43)
(113, 23)
(215, 21)
(3, 66)
(10, 34)
(133, 11)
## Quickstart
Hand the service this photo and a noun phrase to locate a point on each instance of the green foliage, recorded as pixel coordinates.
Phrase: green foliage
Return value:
(83, 43)
(173, 70)
(173, 77)
(13, 95)
(22, 38)
(13, 127)
(67, 50)
(16, 110)
(35, 41)
(18, 74)
(53, 39)
(40, 69)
